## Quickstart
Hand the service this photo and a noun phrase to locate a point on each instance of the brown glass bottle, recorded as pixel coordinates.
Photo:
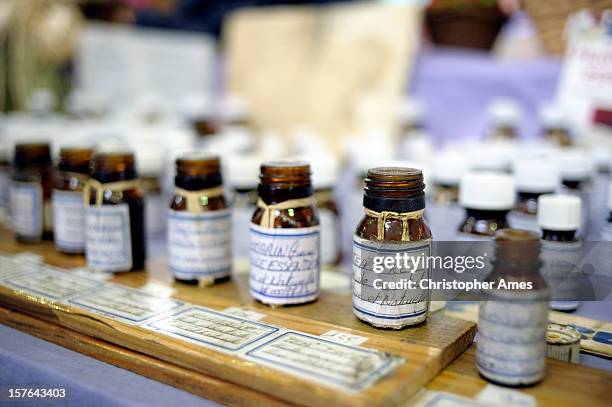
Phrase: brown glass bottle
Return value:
(514, 318)
(68, 209)
(285, 236)
(115, 215)
(394, 202)
(199, 222)
(30, 192)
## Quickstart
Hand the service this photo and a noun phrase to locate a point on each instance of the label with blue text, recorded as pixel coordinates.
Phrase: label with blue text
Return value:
(199, 244)
(51, 284)
(108, 238)
(26, 206)
(124, 304)
(212, 329)
(69, 220)
(285, 264)
(333, 364)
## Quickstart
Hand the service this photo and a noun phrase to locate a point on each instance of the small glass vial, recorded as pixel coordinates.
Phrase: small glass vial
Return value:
(554, 126)
(448, 168)
(504, 118)
(115, 224)
(325, 176)
(30, 192)
(487, 199)
(199, 222)
(242, 176)
(393, 225)
(559, 217)
(68, 208)
(513, 319)
(534, 177)
(576, 169)
(285, 236)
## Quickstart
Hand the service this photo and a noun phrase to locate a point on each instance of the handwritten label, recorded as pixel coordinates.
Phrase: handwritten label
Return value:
(199, 244)
(330, 363)
(285, 264)
(512, 337)
(69, 221)
(51, 283)
(345, 338)
(244, 313)
(384, 307)
(493, 395)
(26, 205)
(211, 328)
(108, 238)
(125, 304)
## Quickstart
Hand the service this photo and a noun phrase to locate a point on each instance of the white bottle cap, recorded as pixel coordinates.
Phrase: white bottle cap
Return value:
(536, 175)
(559, 212)
(551, 115)
(324, 169)
(234, 108)
(243, 171)
(493, 155)
(409, 111)
(504, 112)
(448, 167)
(575, 164)
(487, 191)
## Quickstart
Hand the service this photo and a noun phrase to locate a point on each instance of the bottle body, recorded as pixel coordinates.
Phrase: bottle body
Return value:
(393, 225)
(115, 224)
(329, 217)
(30, 190)
(513, 320)
(67, 198)
(199, 223)
(285, 237)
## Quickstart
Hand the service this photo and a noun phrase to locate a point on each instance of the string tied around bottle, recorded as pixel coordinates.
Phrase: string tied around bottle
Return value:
(270, 214)
(403, 216)
(196, 199)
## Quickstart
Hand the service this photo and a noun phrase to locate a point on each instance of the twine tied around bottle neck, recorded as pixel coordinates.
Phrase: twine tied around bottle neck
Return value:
(269, 214)
(193, 199)
(100, 187)
(82, 178)
(403, 216)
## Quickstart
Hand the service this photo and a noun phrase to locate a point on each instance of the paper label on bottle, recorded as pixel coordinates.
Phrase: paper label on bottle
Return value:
(349, 368)
(512, 340)
(199, 244)
(285, 264)
(212, 329)
(382, 306)
(51, 284)
(69, 220)
(108, 237)
(124, 304)
(26, 205)
(330, 235)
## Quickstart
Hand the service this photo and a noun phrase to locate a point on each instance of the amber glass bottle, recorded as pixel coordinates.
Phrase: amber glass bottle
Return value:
(285, 236)
(394, 204)
(30, 192)
(68, 208)
(513, 320)
(115, 228)
(199, 222)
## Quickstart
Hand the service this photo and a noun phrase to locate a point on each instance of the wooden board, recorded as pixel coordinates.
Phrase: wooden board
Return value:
(426, 349)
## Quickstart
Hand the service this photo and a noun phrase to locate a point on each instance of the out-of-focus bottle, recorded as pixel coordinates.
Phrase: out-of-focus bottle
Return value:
(487, 198)
(555, 127)
(68, 208)
(504, 119)
(513, 319)
(115, 224)
(30, 192)
(559, 217)
(448, 168)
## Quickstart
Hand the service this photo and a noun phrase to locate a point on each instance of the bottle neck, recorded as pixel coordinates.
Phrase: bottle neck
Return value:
(483, 214)
(81, 168)
(197, 182)
(559, 235)
(274, 194)
(114, 176)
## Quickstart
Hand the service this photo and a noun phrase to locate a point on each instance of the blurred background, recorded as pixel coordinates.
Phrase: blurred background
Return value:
(444, 85)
